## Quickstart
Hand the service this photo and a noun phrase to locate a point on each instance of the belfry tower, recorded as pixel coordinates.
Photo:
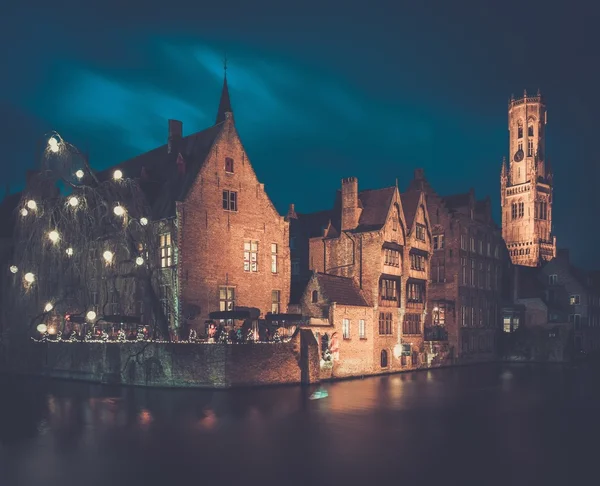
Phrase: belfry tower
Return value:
(526, 185)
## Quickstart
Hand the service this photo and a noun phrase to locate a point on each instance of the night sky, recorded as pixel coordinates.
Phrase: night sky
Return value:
(320, 92)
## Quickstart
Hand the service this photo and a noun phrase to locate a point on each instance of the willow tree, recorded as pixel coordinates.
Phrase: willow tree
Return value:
(86, 251)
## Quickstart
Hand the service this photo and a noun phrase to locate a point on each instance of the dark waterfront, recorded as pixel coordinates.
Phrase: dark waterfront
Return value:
(489, 424)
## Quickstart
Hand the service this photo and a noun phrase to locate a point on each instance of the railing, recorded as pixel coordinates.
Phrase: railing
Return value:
(436, 333)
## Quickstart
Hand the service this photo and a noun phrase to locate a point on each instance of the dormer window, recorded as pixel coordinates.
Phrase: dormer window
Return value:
(229, 165)
(420, 232)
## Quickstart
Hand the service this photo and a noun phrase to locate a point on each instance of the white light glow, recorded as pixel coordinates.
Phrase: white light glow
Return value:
(91, 315)
(117, 175)
(139, 261)
(70, 251)
(73, 201)
(31, 204)
(42, 328)
(79, 174)
(119, 210)
(29, 277)
(397, 351)
(108, 256)
(54, 236)
(48, 307)
(52, 329)
(24, 212)
(143, 221)
(14, 269)
(53, 144)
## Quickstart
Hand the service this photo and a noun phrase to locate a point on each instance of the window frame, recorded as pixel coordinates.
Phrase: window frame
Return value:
(230, 200)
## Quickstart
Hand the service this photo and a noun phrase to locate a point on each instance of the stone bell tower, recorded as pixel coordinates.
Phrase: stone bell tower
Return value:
(526, 185)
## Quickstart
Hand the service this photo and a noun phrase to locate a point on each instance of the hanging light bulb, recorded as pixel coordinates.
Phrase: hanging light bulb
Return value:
(14, 269)
(73, 201)
(54, 236)
(91, 315)
(42, 328)
(117, 175)
(70, 251)
(139, 261)
(31, 204)
(29, 277)
(48, 307)
(108, 256)
(53, 144)
(79, 174)
(143, 221)
(119, 210)
(24, 212)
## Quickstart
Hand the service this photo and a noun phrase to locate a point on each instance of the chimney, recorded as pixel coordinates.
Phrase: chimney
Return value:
(291, 214)
(175, 134)
(350, 209)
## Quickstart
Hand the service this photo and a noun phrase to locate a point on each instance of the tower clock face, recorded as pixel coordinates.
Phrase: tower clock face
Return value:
(519, 155)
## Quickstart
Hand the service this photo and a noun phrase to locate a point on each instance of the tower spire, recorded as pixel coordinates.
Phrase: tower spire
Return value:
(225, 102)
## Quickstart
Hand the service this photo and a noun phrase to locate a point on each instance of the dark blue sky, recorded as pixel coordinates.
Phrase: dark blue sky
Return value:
(321, 91)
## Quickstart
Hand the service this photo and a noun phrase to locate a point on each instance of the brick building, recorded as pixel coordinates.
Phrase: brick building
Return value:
(384, 247)
(465, 292)
(222, 238)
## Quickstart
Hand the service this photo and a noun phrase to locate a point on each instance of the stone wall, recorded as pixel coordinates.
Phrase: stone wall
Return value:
(180, 365)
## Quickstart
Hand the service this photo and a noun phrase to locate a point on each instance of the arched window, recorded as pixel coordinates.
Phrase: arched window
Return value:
(530, 129)
(384, 358)
(315, 296)
(520, 129)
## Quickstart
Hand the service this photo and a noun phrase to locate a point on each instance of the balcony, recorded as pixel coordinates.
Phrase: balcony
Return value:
(435, 333)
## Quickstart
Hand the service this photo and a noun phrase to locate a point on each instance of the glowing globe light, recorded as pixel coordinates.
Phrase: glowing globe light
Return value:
(42, 328)
(54, 236)
(117, 175)
(79, 174)
(143, 221)
(48, 307)
(73, 201)
(91, 315)
(119, 210)
(397, 351)
(24, 212)
(14, 269)
(69, 251)
(139, 261)
(53, 144)
(31, 204)
(108, 256)
(52, 329)
(29, 277)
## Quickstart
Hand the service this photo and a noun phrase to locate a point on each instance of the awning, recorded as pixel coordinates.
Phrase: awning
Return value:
(237, 314)
(284, 317)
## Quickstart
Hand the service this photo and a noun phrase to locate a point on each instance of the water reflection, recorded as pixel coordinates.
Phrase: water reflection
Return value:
(488, 425)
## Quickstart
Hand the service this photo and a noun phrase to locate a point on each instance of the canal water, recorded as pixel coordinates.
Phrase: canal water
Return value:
(480, 425)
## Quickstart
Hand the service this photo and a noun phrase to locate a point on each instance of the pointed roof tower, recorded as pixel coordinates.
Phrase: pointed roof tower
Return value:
(225, 103)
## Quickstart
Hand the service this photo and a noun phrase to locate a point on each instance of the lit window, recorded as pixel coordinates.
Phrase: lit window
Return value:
(166, 250)
(228, 164)
(273, 257)
(230, 200)
(574, 300)
(275, 301)
(250, 256)
(438, 242)
(361, 329)
(439, 313)
(346, 328)
(226, 298)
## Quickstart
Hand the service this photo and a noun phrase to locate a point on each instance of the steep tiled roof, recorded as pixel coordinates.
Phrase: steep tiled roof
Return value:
(456, 201)
(341, 290)
(161, 180)
(410, 204)
(312, 224)
(375, 207)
